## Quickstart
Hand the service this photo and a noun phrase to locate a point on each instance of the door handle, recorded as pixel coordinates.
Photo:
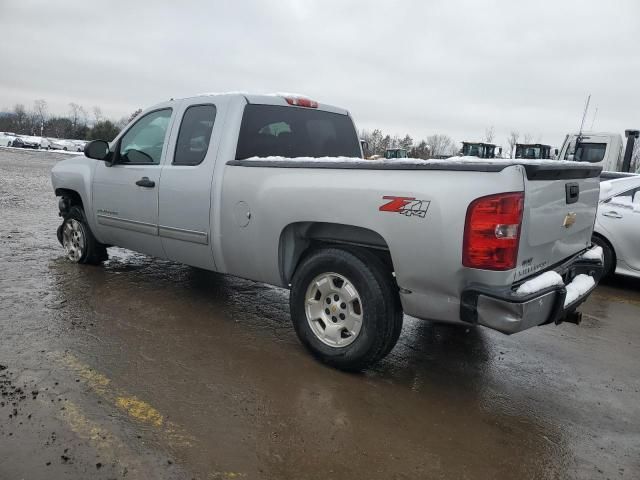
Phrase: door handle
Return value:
(612, 214)
(145, 182)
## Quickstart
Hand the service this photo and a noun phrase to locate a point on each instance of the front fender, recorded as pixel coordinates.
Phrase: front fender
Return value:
(76, 174)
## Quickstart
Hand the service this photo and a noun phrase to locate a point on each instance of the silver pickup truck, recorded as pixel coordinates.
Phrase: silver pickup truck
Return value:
(274, 189)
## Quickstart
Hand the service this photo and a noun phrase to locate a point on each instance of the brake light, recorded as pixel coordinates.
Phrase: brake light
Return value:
(301, 102)
(492, 231)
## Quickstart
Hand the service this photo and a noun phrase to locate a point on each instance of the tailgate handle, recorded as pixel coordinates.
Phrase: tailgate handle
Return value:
(572, 191)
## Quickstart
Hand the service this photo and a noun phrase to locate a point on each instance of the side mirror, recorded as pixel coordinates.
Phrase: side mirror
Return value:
(97, 149)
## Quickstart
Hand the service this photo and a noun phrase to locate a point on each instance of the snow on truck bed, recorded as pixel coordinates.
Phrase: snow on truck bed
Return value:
(416, 161)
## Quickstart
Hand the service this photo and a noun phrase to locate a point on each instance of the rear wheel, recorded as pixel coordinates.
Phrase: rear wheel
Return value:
(345, 307)
(609, 256)
(78, 241)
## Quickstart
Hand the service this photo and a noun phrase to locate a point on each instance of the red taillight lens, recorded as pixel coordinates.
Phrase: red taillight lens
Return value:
(301, 102)
(492, 232)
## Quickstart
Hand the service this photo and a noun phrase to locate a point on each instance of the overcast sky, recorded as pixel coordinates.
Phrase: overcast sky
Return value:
(417, 67)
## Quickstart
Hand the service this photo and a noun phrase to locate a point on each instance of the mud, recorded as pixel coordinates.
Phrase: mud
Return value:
(142, 368)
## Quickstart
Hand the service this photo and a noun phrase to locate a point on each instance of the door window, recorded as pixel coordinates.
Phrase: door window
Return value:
(195, 135)
(630, 198)
(144, 141)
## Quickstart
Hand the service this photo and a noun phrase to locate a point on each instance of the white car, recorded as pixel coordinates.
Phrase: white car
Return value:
(7, 138)
(617, 228)
(78, 145)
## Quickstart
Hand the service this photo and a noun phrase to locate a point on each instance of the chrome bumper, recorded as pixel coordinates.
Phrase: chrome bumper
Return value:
(509, 312)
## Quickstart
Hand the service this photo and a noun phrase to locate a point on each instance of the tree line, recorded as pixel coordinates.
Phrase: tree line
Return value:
(433, 146)
(77, 124)
(437, 145)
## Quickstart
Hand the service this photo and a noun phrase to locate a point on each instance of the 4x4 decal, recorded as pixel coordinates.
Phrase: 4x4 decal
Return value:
(408, 206)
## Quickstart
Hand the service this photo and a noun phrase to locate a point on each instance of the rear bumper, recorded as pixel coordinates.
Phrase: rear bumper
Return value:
(509, 312)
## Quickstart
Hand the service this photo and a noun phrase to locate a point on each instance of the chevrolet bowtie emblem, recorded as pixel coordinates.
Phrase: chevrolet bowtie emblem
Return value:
(569, 219)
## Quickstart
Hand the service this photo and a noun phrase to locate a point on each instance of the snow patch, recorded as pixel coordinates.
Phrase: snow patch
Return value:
(546, 280)
(581, 284)
(593, 254)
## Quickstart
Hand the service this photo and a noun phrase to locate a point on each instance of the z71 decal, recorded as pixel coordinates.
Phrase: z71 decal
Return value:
(408, 206)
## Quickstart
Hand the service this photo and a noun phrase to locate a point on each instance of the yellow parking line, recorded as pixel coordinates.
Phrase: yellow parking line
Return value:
(111, 449)
(140, 410)
(137, 409)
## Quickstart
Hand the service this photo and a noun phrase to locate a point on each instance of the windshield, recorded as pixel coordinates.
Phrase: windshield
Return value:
(471, 150)
(271, 130)
(588, 152)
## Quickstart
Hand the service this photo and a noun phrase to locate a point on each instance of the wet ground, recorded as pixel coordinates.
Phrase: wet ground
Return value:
(145, 369)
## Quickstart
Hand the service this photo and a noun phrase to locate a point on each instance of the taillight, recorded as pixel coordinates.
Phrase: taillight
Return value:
(492, 231)
(301, 102)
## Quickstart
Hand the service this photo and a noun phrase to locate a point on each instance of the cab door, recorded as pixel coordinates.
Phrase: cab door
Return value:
(185, 197)
(125, 193)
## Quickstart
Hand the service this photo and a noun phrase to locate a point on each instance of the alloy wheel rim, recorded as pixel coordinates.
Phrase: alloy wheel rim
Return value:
(334, 309)
(73, 239)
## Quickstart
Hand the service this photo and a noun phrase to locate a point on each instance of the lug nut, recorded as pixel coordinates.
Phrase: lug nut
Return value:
(343, 305)
(336, 298)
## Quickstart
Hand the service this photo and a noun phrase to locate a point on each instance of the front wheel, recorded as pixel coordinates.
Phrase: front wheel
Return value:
(345, 307)
(79, 244)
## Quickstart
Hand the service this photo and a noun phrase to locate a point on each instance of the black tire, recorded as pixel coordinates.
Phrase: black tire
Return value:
(609, 256)
(381, 310)
(93, 252)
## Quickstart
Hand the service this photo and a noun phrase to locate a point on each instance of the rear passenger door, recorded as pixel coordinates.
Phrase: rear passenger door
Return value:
(185, 188)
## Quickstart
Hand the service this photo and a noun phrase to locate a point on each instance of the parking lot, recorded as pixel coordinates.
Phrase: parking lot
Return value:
(148, 369)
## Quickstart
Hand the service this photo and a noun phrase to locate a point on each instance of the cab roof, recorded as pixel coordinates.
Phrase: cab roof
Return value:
(279, 99)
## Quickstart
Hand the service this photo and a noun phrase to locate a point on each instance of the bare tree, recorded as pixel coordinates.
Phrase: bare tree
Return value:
(21, 118)
(512, 139)
(134, 115)
(97, 114)
(528, 138)
(75, 112)
(489, 134)
(40, 114)
(441, 145)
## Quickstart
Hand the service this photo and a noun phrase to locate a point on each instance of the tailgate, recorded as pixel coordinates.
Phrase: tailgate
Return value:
(559, 213)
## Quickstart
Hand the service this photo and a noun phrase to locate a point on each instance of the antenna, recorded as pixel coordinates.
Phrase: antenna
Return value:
(584, 114)
(594, 119)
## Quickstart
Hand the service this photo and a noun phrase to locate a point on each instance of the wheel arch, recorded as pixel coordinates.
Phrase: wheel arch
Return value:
(74, 197)
(299, 239)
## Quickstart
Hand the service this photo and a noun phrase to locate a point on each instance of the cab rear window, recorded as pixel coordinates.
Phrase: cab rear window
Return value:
(588, 152)
(271, 130)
